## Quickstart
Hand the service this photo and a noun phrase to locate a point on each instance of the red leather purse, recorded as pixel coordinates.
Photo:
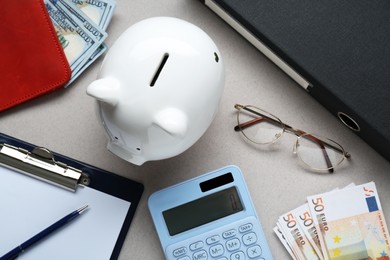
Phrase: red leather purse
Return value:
(32, 61)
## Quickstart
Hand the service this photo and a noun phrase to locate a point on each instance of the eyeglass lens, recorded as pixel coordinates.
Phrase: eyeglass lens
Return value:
(259, 129)
(317, 154)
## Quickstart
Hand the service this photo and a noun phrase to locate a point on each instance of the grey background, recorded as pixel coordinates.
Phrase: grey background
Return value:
(65, 122)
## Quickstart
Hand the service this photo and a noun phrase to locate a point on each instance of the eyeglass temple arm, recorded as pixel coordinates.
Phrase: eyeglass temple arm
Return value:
(254, 121)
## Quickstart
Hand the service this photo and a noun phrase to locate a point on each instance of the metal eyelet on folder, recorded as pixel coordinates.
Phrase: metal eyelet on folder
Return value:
(348, 121)
(40, 164)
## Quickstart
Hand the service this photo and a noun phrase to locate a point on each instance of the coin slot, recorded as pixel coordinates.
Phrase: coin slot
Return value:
(159, 69)
(348, 121)
(216, 57)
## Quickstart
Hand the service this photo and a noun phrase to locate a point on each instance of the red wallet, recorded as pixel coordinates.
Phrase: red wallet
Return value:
(32, 61)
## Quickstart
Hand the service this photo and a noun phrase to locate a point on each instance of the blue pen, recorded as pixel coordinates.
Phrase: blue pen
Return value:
(22, 247)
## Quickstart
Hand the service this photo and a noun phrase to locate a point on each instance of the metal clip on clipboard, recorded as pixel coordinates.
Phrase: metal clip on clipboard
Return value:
(40, 164)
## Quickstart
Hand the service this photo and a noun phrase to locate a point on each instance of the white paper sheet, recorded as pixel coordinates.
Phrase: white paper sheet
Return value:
(27, 206)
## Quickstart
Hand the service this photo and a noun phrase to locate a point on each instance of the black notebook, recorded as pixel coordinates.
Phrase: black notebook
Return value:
(339, 51)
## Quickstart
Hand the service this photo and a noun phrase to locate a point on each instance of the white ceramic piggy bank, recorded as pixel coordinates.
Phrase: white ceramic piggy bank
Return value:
(158, 89)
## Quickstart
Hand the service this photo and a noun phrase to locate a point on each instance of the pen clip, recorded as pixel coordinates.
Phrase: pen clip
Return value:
(40, 163)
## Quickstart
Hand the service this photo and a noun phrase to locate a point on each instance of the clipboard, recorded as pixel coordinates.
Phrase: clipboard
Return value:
(71, 178)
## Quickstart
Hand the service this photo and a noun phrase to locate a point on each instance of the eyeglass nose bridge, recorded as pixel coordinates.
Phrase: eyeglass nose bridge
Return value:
(277, 137)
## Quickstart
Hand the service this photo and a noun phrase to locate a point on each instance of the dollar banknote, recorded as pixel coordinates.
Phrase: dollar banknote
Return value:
(350, 223)
(99, 11)
(102, 49)
(75, 21)
(77, 42)
(79, 18)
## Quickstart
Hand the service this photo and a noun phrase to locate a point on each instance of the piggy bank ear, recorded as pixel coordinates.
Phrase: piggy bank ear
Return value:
(172, 121)
(106, 90)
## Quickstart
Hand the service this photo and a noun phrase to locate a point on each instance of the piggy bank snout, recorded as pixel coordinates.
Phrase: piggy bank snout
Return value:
(105, 90)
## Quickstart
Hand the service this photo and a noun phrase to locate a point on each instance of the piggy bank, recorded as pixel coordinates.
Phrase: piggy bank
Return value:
(158, 89)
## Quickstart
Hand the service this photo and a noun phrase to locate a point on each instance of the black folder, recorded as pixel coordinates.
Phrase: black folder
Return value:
(43, 164)
(338, 51)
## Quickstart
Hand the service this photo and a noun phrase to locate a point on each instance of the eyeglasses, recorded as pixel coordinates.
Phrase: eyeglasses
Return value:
(261, 127)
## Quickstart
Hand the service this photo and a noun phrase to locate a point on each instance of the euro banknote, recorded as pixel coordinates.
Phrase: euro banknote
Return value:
(302, 216)
(305, 221)
(282, 238)
(346, 224)
(350, 223)
(296, 238)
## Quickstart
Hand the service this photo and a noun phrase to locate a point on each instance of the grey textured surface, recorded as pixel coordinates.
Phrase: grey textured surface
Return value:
(65, 122)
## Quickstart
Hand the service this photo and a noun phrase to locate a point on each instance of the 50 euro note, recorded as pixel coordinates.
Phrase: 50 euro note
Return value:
(296, 238)
(278, 231)
(306, 222)
(350, 223)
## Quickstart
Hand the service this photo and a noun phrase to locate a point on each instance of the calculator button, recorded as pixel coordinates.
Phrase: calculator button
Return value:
(233, 244)
(197, 245)
(184, 258)
(180, 251)
(249, 238)
(245, 228)
(212, 240)
(254, 251)
(216, 250)
(238, 256)
(200, 255)
(229, 233)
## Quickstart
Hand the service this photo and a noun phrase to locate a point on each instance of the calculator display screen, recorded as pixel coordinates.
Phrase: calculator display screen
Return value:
(202, 211)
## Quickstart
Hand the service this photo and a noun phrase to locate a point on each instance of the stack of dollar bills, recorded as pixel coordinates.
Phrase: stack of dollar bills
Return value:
(81, 29)
(343, 224)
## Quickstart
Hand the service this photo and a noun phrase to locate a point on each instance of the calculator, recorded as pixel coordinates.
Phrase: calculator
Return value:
(209, 217)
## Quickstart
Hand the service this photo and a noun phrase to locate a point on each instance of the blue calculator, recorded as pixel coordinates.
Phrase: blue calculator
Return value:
(209, 217)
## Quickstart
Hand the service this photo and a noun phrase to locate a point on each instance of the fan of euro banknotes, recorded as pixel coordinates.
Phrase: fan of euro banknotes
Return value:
(81, 29)
(345, 223)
